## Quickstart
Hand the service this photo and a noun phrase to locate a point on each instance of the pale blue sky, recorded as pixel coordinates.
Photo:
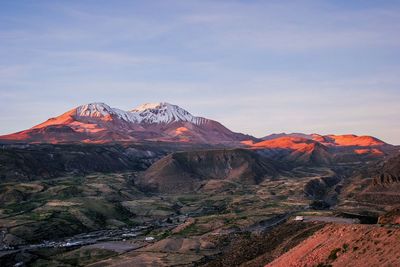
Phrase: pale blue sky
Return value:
(258, 67)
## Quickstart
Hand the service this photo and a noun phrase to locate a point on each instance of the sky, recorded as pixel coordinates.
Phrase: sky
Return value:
(258, 67)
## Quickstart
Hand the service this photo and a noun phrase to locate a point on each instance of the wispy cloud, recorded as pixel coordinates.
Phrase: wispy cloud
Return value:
(297, 26)
(328, 66)
(106, 57)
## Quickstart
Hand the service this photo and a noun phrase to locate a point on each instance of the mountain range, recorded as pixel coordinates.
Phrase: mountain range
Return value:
(102, 169)
(99, 123)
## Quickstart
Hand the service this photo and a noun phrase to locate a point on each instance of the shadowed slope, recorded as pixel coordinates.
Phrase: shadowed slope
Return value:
(296, 149)
(185, 171)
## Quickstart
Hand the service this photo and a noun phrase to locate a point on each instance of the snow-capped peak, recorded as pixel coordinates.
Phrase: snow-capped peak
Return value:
(146, 106)
(99, 110)
(94, 110)
(163, 113)
(146, 113)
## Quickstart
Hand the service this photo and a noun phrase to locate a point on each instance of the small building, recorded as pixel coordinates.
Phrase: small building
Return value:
(299, 218)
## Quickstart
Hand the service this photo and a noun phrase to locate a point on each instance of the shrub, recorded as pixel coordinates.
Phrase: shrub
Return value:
(333, 255)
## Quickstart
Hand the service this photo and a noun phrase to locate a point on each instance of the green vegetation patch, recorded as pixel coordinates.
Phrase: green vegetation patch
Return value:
(334, 254)
(84, 256)
(192, 230)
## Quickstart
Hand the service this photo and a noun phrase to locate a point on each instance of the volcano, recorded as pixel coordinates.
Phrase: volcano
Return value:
(100, 123)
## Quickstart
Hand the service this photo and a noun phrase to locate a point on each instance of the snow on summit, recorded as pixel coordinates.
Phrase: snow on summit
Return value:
(146, 106)
(99, 123)
(146, 113)
(94, 110)
(164, 113)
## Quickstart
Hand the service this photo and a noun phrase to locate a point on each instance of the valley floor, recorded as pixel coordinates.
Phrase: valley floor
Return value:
(44, 222)
(105, 220)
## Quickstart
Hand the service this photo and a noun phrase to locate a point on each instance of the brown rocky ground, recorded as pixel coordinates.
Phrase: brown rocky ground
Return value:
(346, 245)
(222, 249)
(391, 217)
(247, 250)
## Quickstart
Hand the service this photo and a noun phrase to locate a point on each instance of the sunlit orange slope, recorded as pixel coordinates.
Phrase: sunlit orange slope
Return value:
(294, 143)
(348, 140)
(332, 140)
(99, 123)
(321, 148)
(296, 149)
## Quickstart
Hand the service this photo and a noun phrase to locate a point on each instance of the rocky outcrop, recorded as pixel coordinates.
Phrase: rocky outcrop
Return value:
(390, 172)
(382, 183)
(391, 217)
(323, 191)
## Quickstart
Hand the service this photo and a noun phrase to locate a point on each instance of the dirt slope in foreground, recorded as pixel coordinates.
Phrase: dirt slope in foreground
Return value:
(346, 245)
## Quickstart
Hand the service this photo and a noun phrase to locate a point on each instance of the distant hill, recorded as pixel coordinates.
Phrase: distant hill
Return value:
(187, 171)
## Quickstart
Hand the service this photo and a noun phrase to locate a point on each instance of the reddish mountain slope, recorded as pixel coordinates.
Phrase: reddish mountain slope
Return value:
(345, 147)
(345, 245)
(332, 140)
(99, 123)
(285, 142)
(296, 149)
(348, 140)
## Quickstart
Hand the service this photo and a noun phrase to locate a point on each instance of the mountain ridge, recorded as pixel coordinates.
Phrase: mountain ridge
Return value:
(99, 123)
(331, 139)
